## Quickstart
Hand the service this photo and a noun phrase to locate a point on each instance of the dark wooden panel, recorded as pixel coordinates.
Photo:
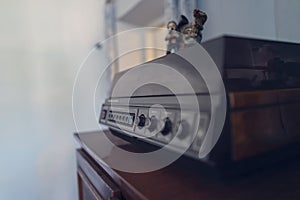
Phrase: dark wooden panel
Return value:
(256, 131)
(265, 97)
(86, 190)
(253, 98)
(291, 120)
(190, 179)
(289, 95)
(96, 175)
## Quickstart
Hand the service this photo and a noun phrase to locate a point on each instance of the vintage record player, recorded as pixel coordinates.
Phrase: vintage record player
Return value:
(262, 84)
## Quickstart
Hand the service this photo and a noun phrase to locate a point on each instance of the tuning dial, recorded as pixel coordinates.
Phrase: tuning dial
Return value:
(153, 124)
(167, 127)
(142, 121)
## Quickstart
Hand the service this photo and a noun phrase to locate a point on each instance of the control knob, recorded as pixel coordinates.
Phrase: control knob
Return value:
(153, 124)
(167, 127)
(142, 121)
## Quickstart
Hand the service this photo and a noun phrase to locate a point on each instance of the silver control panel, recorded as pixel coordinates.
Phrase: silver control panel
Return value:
(184, 128)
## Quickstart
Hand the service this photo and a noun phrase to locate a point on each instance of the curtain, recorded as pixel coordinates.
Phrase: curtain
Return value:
(171, 11)
(186, 8)
(175, 8)
(110, 30)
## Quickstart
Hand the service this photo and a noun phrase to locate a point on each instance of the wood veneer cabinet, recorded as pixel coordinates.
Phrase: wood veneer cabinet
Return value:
(184, 179)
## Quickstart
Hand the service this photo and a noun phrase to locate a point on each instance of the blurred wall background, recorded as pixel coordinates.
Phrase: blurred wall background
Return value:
(268, 19)
(42, 44)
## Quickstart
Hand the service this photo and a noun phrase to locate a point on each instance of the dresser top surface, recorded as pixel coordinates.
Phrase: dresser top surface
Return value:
(189, 179)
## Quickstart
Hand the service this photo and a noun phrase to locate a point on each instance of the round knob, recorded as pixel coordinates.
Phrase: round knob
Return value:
(153, 124)
(167, 127)
(142, 121)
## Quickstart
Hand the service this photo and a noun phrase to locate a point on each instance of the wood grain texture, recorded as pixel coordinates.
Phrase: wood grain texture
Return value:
(256, 131)
(263, 97)
(190, 179)
(262, 121)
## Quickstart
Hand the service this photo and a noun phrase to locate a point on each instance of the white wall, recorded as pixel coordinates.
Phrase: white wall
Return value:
(287, 16)
(269, 19)
(131, 44)
(41, 46)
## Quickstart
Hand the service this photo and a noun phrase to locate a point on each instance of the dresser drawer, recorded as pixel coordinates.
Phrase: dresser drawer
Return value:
(86, 189)
(95, 178)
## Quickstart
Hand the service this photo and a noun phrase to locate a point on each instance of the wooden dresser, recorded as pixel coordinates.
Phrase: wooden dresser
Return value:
(183, 179)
